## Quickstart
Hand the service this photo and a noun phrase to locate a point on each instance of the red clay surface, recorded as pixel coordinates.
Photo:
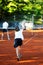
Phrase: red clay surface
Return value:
(32, 49)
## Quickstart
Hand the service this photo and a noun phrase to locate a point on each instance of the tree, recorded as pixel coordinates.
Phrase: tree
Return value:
(20, 8)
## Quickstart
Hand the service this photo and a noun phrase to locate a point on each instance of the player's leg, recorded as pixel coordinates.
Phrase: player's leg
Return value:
(2, 34)
(8, 35)
(18, 52)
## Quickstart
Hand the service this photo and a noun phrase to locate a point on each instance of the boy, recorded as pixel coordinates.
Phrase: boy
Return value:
(18, 42)
(5, 29)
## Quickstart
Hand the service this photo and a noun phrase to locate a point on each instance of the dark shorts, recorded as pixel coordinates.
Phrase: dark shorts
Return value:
(17, 42)
(4, 30)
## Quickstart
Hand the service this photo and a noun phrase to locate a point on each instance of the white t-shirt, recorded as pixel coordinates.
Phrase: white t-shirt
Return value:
(19, 34)
(5, 25)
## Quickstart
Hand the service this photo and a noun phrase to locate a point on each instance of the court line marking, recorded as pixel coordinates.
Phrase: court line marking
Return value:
(29, 39)
(28, 61)
(3, 40)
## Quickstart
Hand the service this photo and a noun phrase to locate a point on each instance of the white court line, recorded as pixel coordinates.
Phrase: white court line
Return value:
(29, 39)
(3, 40)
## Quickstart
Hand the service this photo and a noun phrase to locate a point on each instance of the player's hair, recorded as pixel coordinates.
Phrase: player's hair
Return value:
(17, 28)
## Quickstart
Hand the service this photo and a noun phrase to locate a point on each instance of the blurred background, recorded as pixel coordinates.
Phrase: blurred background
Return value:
(22, 13)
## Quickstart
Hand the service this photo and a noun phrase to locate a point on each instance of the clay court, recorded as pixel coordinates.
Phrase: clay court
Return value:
(32, 49)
